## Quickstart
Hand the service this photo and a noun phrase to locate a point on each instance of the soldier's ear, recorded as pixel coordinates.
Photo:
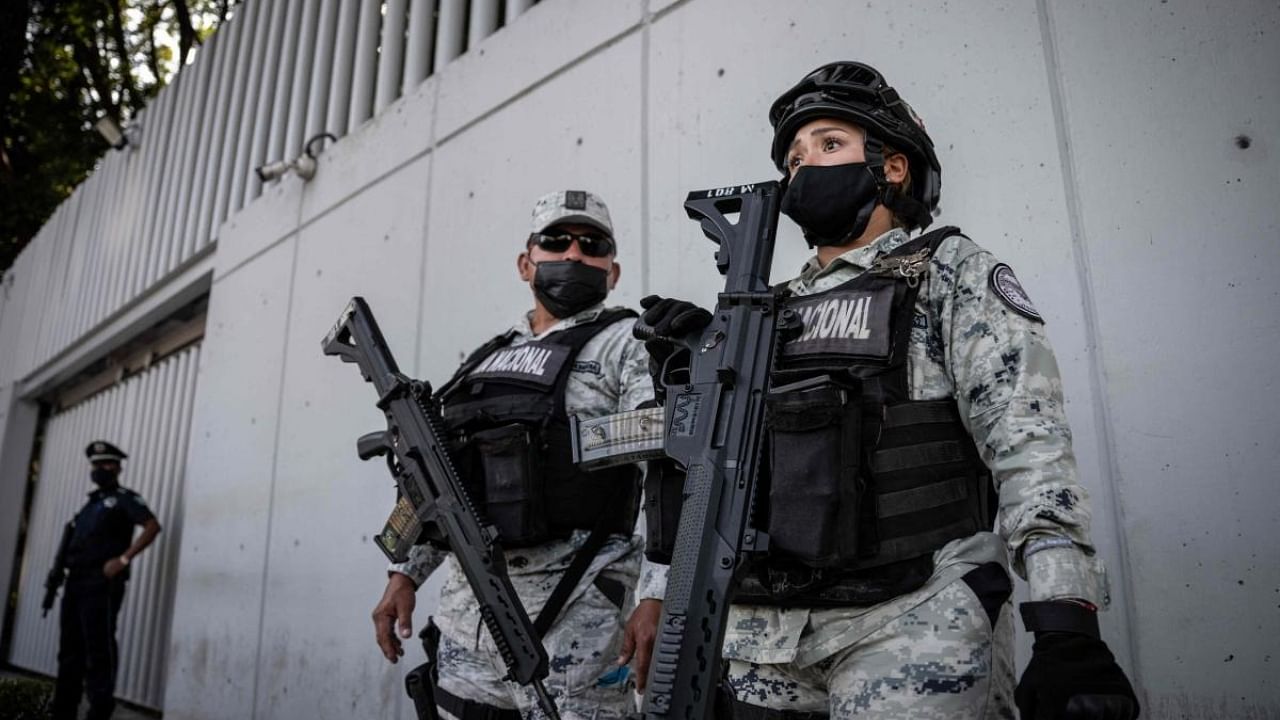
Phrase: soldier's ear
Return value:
(525, 267)
(896, 167)
(615, 272)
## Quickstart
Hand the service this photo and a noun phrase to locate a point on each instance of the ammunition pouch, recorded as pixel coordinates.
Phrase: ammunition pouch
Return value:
(815, 491)
(525, 481)
(509, 460)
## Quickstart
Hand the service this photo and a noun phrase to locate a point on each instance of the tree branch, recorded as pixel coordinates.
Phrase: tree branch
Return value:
(186, 31)
(134, 102)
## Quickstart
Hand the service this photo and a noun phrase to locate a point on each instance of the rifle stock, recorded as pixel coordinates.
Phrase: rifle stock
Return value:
(432, 494)
(714, 418)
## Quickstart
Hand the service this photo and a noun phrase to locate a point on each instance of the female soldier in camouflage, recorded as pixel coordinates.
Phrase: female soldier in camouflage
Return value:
(921, 396)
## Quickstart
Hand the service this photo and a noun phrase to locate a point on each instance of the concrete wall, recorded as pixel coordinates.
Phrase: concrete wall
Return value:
(1171, 118)
(1096, 147)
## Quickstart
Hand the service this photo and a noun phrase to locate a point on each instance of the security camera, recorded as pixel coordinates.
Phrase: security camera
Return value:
(273, 171)
(304, 166)
(116, 136)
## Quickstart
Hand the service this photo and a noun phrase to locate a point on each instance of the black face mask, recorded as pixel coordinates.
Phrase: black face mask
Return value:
(831, 203)
(105, 479)
(566, 288)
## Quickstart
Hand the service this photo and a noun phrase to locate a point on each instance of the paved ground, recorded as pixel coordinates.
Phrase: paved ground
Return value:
(123, 711)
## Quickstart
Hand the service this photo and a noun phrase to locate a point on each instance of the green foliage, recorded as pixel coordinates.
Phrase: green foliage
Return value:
(63, 65)
(24, 698)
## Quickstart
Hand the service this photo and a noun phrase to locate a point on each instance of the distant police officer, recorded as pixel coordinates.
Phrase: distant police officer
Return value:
(98, 556)
(920, 398)
(508, 408)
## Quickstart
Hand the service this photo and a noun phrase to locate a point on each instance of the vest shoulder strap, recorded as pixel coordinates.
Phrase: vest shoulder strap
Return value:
(474, 359)
(932, 239)
(576, 338)
(579, 335)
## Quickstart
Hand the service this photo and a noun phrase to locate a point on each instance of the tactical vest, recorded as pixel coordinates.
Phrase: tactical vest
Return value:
(863, 483)
(506, 414)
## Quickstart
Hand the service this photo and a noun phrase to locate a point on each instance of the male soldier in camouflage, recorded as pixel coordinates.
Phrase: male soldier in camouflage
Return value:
(507, 407)
(920, 397)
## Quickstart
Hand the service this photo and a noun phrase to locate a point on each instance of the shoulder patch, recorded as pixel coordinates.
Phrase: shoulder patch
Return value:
(1007, 288)
(587, 366)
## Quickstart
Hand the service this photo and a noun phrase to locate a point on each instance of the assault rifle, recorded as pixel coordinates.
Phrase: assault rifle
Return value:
(57, 573)
(432, 495)
(714, 418)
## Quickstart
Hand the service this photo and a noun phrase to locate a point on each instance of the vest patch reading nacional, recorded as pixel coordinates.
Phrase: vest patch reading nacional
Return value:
(1007, 288)
(854, 322)
(534, 362)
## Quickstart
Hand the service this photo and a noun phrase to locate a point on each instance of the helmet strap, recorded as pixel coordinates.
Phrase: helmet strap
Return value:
(902, 205)
(873, 152)
(906, 207)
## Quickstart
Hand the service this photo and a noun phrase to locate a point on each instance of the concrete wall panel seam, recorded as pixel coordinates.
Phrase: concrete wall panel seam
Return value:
(271, 495)
(1106, 440)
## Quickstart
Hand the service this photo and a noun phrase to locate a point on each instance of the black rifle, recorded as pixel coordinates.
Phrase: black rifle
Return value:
(57, 573)
(714, 417)
(433, 496)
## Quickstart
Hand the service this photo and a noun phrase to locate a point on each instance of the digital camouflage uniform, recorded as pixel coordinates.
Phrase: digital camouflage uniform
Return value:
(609, 375)
(933, 653)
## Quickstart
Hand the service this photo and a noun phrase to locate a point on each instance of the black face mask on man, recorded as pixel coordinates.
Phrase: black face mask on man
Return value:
(103, 478)
(831, 203)
(566, 287)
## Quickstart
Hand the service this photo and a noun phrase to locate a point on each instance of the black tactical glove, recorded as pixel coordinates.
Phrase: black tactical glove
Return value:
(1072, 675)
(664, 320)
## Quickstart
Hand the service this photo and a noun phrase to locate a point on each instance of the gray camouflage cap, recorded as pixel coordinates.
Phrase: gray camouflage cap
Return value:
(571, 206)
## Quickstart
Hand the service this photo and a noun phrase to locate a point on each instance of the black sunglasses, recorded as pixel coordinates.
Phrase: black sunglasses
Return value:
(591, 244)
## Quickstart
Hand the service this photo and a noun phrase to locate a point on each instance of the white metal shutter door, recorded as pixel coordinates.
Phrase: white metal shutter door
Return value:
(149, 417)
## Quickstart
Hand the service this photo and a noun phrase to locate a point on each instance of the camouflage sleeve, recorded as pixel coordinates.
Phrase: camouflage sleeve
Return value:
(637, 389)
(637, 386)
(423, 560)
(653, 580)
(1009, 390)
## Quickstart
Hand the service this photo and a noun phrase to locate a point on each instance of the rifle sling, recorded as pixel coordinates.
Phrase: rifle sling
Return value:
(581, 561)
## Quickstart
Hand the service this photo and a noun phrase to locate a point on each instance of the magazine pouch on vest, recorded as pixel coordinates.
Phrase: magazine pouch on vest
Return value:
(505, 409)
(814, 488)
(510, 462)
(864, 483)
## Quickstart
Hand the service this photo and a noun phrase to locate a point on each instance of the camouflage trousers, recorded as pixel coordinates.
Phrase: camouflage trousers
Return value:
(945, 658)
(582, 646)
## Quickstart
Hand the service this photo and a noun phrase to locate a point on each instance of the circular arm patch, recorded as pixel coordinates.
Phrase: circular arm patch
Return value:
(1008, 289)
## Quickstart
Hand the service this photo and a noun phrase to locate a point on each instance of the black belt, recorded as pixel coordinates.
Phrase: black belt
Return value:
(470, 709)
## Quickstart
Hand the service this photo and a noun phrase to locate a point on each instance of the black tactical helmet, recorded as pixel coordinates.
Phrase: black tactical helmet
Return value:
(858, 93)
